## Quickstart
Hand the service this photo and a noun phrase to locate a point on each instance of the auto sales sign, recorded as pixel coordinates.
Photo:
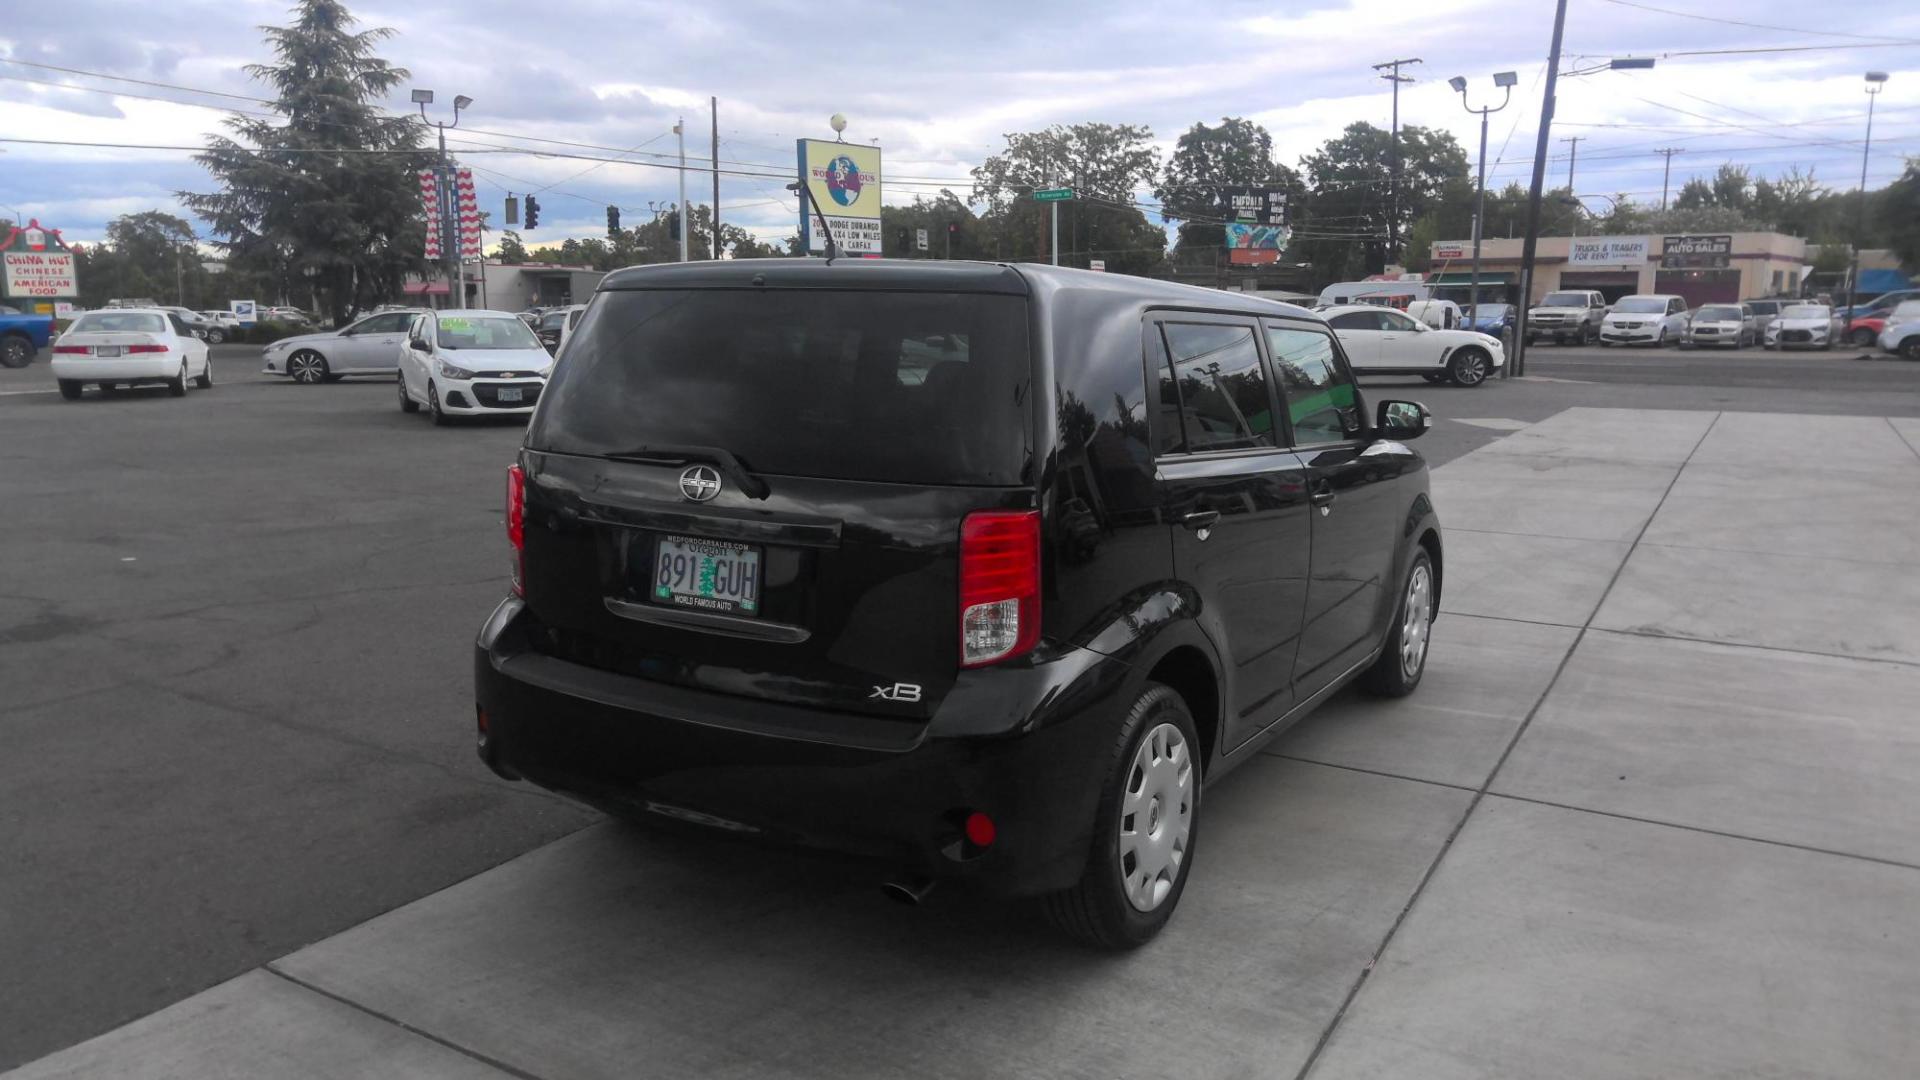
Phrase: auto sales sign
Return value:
(38, 264)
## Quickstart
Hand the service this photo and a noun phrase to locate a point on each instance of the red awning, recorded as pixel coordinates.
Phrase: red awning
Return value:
(424, 288)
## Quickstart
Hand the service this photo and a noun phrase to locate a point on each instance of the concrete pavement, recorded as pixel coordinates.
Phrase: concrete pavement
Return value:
(1652, 813)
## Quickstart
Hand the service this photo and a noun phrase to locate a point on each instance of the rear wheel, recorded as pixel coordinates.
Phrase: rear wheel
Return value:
(70, 389)
(177, 386)
(1403, 658)
(205, 379)
(16, 351)
(307, 366)
(1863, 337)
(407, 404)
(1143, 832)
(1470, 367)
(1910, 348)
(216, 335)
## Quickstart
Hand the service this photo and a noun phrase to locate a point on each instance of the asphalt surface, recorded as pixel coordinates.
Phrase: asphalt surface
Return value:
(237, 631)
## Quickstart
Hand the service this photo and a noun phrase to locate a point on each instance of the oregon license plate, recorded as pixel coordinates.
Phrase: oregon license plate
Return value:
(106, 350)
(707, 575)
(509, 393)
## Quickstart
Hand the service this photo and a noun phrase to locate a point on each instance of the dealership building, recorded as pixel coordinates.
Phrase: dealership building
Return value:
(1706, 268)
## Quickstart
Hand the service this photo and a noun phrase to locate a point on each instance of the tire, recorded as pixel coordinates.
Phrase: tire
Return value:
(1589, 334)
(1910, 349)
(1403, 658)
(440, 419)
(216, 336)
(407, 404)
(1660, 339)
(70, 389)
(204, 380)
(16, 351)
(1434, 377)
(1862, 337)
(307, 366)
(1827, 345)
(1605, 344)
(1531, 341)
(1469, 367)
(1152, 768)
(177, 386)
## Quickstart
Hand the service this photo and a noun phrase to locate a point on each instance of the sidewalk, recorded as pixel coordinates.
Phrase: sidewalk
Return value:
(1654, 812)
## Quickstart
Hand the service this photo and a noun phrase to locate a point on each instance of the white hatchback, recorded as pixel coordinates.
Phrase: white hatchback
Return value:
(130, 347)
(471, 363)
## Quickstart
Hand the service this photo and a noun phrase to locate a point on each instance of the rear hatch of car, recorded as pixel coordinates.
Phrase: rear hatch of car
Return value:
(759, 491)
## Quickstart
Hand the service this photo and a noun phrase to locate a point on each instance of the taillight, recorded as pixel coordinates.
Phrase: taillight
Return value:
(517, 526)
(146, 348)
(999, 585)
(72, 349)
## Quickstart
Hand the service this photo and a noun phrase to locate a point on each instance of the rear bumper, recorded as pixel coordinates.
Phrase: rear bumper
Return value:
(1002, 743)
(122, 369)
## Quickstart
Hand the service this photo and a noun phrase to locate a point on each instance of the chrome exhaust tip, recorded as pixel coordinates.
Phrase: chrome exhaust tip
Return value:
(911, 890)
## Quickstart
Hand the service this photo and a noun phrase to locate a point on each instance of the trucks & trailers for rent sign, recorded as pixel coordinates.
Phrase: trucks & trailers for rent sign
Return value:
(1607, 251)
(845, 181)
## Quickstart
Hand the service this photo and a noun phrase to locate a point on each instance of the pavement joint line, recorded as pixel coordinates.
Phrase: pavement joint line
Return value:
(24, 393)
(1902, 436)
(1507, 618)
(1370, 772)
(1753, 645)
(1479, 795)
(1535, 536)
(491, 1062)
(1779, 554)
(1882, 860)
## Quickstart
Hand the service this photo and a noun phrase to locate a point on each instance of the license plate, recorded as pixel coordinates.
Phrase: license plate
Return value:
(106, 350)
(707, 575)
(509, 393)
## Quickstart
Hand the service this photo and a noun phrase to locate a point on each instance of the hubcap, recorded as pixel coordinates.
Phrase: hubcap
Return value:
(1416, 621)
(305, 369)
(1472, 368)
(1156, 817)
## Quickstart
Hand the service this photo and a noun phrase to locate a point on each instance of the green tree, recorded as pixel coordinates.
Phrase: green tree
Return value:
(898, 240)
(511, 250)
(1207, 161)
(1349, 207)
(1105, 164)
(1899, 215)
(328, 195)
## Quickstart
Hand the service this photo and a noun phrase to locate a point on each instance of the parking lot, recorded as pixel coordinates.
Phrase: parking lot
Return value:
(1653, 812)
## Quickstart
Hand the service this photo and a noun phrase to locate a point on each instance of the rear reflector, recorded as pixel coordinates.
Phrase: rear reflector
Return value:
(517, 525)
(999, 585)
(980, 830)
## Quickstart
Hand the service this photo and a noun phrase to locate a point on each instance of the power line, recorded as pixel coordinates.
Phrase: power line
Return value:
(1761, 26)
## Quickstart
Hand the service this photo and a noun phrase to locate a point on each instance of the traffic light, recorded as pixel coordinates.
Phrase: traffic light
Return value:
(613, 220)
(533, 212)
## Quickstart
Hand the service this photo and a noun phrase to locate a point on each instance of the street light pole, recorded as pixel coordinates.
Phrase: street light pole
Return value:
(1875, 80)
(449, 200)
(1505, 80)
(686, 225)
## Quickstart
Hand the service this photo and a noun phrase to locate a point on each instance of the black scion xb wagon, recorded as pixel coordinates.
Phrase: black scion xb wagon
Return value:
(984, 571)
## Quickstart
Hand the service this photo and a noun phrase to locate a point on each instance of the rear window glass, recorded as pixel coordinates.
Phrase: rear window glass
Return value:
(1222, 390)
(899, 387)
(116, 322)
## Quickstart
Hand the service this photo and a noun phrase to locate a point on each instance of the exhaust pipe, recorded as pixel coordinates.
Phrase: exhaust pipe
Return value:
(910, 890)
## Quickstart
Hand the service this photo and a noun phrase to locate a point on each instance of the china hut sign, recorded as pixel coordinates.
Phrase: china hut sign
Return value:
(38, 264)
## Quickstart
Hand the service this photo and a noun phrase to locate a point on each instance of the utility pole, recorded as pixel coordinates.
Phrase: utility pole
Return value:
(180, 271)
(1666, 174)
(1573, 155)
(1393, 186)
(714, 104)
(686, 220)
(1875, 80)
(1517, 364)
(1506, 81)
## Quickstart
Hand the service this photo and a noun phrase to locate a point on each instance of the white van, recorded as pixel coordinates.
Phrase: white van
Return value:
(1653, 319)
(1396, 294)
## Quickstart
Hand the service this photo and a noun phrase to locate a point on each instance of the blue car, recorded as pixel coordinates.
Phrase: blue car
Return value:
(1494, 319)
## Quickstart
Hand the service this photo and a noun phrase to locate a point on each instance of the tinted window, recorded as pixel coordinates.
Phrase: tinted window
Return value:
(858, 385)
(485, 332)
(1641, 305)
(1170, 435)
(1356, 320)
(180, 326)
(390, 323)
(1565, 299)
(1393, 320)
(1718, 313)
(113, 322)
(1321, 400)
(1224, 403)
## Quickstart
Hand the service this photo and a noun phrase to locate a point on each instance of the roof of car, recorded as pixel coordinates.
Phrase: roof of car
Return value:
(927, 275)
(470, 312)
(1347, 309)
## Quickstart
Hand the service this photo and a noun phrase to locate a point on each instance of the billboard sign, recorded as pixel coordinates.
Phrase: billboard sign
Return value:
(1256, 225)
(38, 264)
(844, 179)
(1696, 252)
(1608, 251)
(1255, 206)
(1450, 251)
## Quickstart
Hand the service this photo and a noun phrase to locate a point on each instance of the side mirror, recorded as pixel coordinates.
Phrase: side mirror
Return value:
(419, 345)
(1402, 420)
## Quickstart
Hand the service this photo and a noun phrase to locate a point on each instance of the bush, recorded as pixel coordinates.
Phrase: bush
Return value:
(267, 333)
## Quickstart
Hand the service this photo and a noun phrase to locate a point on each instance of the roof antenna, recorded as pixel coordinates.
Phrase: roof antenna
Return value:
(833, 251)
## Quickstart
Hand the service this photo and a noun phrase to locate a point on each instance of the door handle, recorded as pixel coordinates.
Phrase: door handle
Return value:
(1200, 519)
(1322, 497)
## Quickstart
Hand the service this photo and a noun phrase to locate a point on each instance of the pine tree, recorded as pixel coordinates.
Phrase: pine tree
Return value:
(330, 196)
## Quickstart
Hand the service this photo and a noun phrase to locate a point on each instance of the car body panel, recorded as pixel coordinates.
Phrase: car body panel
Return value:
(1665, 324)
(367, 346)
(1805, 326)
(1381, 341)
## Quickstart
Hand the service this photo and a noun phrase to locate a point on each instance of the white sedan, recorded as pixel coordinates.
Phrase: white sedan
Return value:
(471, 363)
(368, 346)
(1804, 326)
(1382, 341)
(130, 347)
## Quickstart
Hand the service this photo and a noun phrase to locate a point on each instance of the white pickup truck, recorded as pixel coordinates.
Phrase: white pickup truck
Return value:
(1568, 315)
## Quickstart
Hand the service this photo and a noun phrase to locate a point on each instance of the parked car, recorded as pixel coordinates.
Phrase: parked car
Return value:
(1767, 310)
(1864, 330)
(1722, 324)
(1902, 334)
(1806, 326)
(286, 315)
(1653, 319)
(1496, 320)
(22, 336)
(985, 572)
(1883, 304)
(557, 325)
(369, 346)
(471, 363)
(130, 347)
(1567, 315)
(1382, 341)
(221, 326)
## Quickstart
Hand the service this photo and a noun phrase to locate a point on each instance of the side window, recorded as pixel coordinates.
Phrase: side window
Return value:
(1321, 399)
(1393, 320)
(1355, 320)
(1676, 305)
(1169, 436)
(179, 326)
(1222, 389)
(392, 323)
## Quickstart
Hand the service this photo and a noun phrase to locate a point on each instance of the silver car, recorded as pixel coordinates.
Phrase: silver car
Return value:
(369, 346)
(1723, 324)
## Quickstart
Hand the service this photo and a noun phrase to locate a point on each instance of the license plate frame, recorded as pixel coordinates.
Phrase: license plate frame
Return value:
(512, 394)
(106, 350)
(722, 577)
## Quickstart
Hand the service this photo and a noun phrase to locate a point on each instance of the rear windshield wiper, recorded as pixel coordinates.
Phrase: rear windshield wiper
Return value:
(752, 486)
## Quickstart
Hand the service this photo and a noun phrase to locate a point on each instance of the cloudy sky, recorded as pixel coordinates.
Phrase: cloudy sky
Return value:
(938, 85)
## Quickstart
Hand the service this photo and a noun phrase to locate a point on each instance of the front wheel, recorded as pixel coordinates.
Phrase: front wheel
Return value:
(440, 419)
(215, 337)
(1660, 340)
(1910, 349)
(407, 404)
(16, 351)
(307, 367)
(1469, 367)
(1403, 658)
(1144, 830)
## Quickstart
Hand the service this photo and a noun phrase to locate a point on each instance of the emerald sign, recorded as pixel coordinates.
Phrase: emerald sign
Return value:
(1057, 194)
